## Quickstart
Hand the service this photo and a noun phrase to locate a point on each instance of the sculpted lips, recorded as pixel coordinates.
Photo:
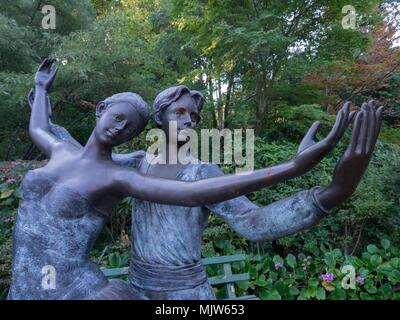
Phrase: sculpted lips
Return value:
(112, 134)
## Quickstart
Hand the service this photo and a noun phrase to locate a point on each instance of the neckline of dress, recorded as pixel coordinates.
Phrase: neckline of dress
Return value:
(107, 215)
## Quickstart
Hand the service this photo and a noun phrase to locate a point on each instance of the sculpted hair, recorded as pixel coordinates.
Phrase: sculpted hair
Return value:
(170, 95)
(131, 98)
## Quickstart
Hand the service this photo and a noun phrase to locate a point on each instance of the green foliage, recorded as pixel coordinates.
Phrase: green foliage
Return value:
(259, 52)
(377, 275)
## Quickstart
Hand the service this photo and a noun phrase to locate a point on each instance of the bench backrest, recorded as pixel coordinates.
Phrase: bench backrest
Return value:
(228, 278)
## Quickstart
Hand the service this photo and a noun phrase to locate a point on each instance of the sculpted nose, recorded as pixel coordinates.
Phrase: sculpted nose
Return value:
(121, 126)
(187, 122)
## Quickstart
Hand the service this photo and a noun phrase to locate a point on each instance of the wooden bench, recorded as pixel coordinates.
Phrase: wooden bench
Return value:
(227, 278)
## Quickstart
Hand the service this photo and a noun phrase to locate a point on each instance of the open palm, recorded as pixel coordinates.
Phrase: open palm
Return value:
(46, 74)
(310, 151)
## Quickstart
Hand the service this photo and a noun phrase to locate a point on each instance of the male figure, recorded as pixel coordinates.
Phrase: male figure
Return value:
(166, 240)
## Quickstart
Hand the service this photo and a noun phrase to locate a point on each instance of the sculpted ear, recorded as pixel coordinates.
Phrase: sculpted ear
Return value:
(100, 108)
(157, 117)
(198, 98)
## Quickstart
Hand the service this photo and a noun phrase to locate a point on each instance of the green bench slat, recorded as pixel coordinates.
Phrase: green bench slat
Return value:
(115, 271)
(224, 259)
(206, 262)
(229, 279)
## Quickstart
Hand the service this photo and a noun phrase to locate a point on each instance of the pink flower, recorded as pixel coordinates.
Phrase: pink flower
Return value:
(328, 277)
(278, 265)
(360, 280)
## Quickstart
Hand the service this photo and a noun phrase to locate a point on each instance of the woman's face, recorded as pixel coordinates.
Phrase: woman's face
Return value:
(118, 124)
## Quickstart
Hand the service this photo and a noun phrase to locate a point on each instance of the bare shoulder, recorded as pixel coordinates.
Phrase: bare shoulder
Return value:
(62, 148)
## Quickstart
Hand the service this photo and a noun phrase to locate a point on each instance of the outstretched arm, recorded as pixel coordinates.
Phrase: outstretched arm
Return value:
(276, 220)
(39, 127)
(217, 189)
(307, 208)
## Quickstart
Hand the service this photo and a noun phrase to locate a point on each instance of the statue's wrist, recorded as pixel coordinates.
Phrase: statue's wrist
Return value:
(318, 202)
(295, 169)
(329, 197)
(40, 88)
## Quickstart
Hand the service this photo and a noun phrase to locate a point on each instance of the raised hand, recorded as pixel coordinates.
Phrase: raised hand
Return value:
(311, 152)
(354, 162)
(46, 74)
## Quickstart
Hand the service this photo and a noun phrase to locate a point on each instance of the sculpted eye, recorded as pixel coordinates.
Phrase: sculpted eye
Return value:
(194, 117)
(117, 118)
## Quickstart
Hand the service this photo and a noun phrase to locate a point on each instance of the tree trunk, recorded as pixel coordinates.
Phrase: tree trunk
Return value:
(229, 94)
(261, 107)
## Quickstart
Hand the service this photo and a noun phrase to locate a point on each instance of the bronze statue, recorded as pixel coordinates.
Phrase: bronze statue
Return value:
(166, 240)
(66, 202)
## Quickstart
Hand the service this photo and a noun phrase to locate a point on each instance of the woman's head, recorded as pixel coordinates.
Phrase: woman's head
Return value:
(178, 104)
(120, 117)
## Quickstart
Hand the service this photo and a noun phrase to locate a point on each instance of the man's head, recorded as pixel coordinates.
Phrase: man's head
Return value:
(178, 104)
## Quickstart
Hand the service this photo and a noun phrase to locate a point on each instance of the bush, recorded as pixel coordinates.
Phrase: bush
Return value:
(375, 275)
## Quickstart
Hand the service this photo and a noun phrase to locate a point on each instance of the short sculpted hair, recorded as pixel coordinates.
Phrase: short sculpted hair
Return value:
(170, 95)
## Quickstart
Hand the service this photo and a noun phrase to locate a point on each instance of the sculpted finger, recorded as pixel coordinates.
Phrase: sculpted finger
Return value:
(42, 65)
(371, 128)
(308, 139)
(362, 139)
(344, 120)
(346, 109)
(352, 116)
(54, 71)
(311, 133)
(334, 133)
(378, 121)
(356, 131)
(31, 97)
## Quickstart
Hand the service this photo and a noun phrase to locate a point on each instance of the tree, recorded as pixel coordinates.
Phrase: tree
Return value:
(365, 75)
(254, 45)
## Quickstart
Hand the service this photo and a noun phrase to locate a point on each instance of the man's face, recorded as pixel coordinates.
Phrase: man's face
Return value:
(184, 111)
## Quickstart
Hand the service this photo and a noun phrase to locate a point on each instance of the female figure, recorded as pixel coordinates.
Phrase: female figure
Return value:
(66, 203)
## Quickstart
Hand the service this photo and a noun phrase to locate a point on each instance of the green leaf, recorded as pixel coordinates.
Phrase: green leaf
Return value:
(294, 291)
(114, 260)
(366, 296)
(372, 249)
(313, 282)
(262, 281)
(6, 193)
(291, 260)
(376, 260)
(338, 294)
(277, 258)
(385, 244)
(321, 294)
(270, 295)
(372, 290)
(310, 293)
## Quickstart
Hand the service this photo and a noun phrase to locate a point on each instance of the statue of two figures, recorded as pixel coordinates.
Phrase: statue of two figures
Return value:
(67, 202)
